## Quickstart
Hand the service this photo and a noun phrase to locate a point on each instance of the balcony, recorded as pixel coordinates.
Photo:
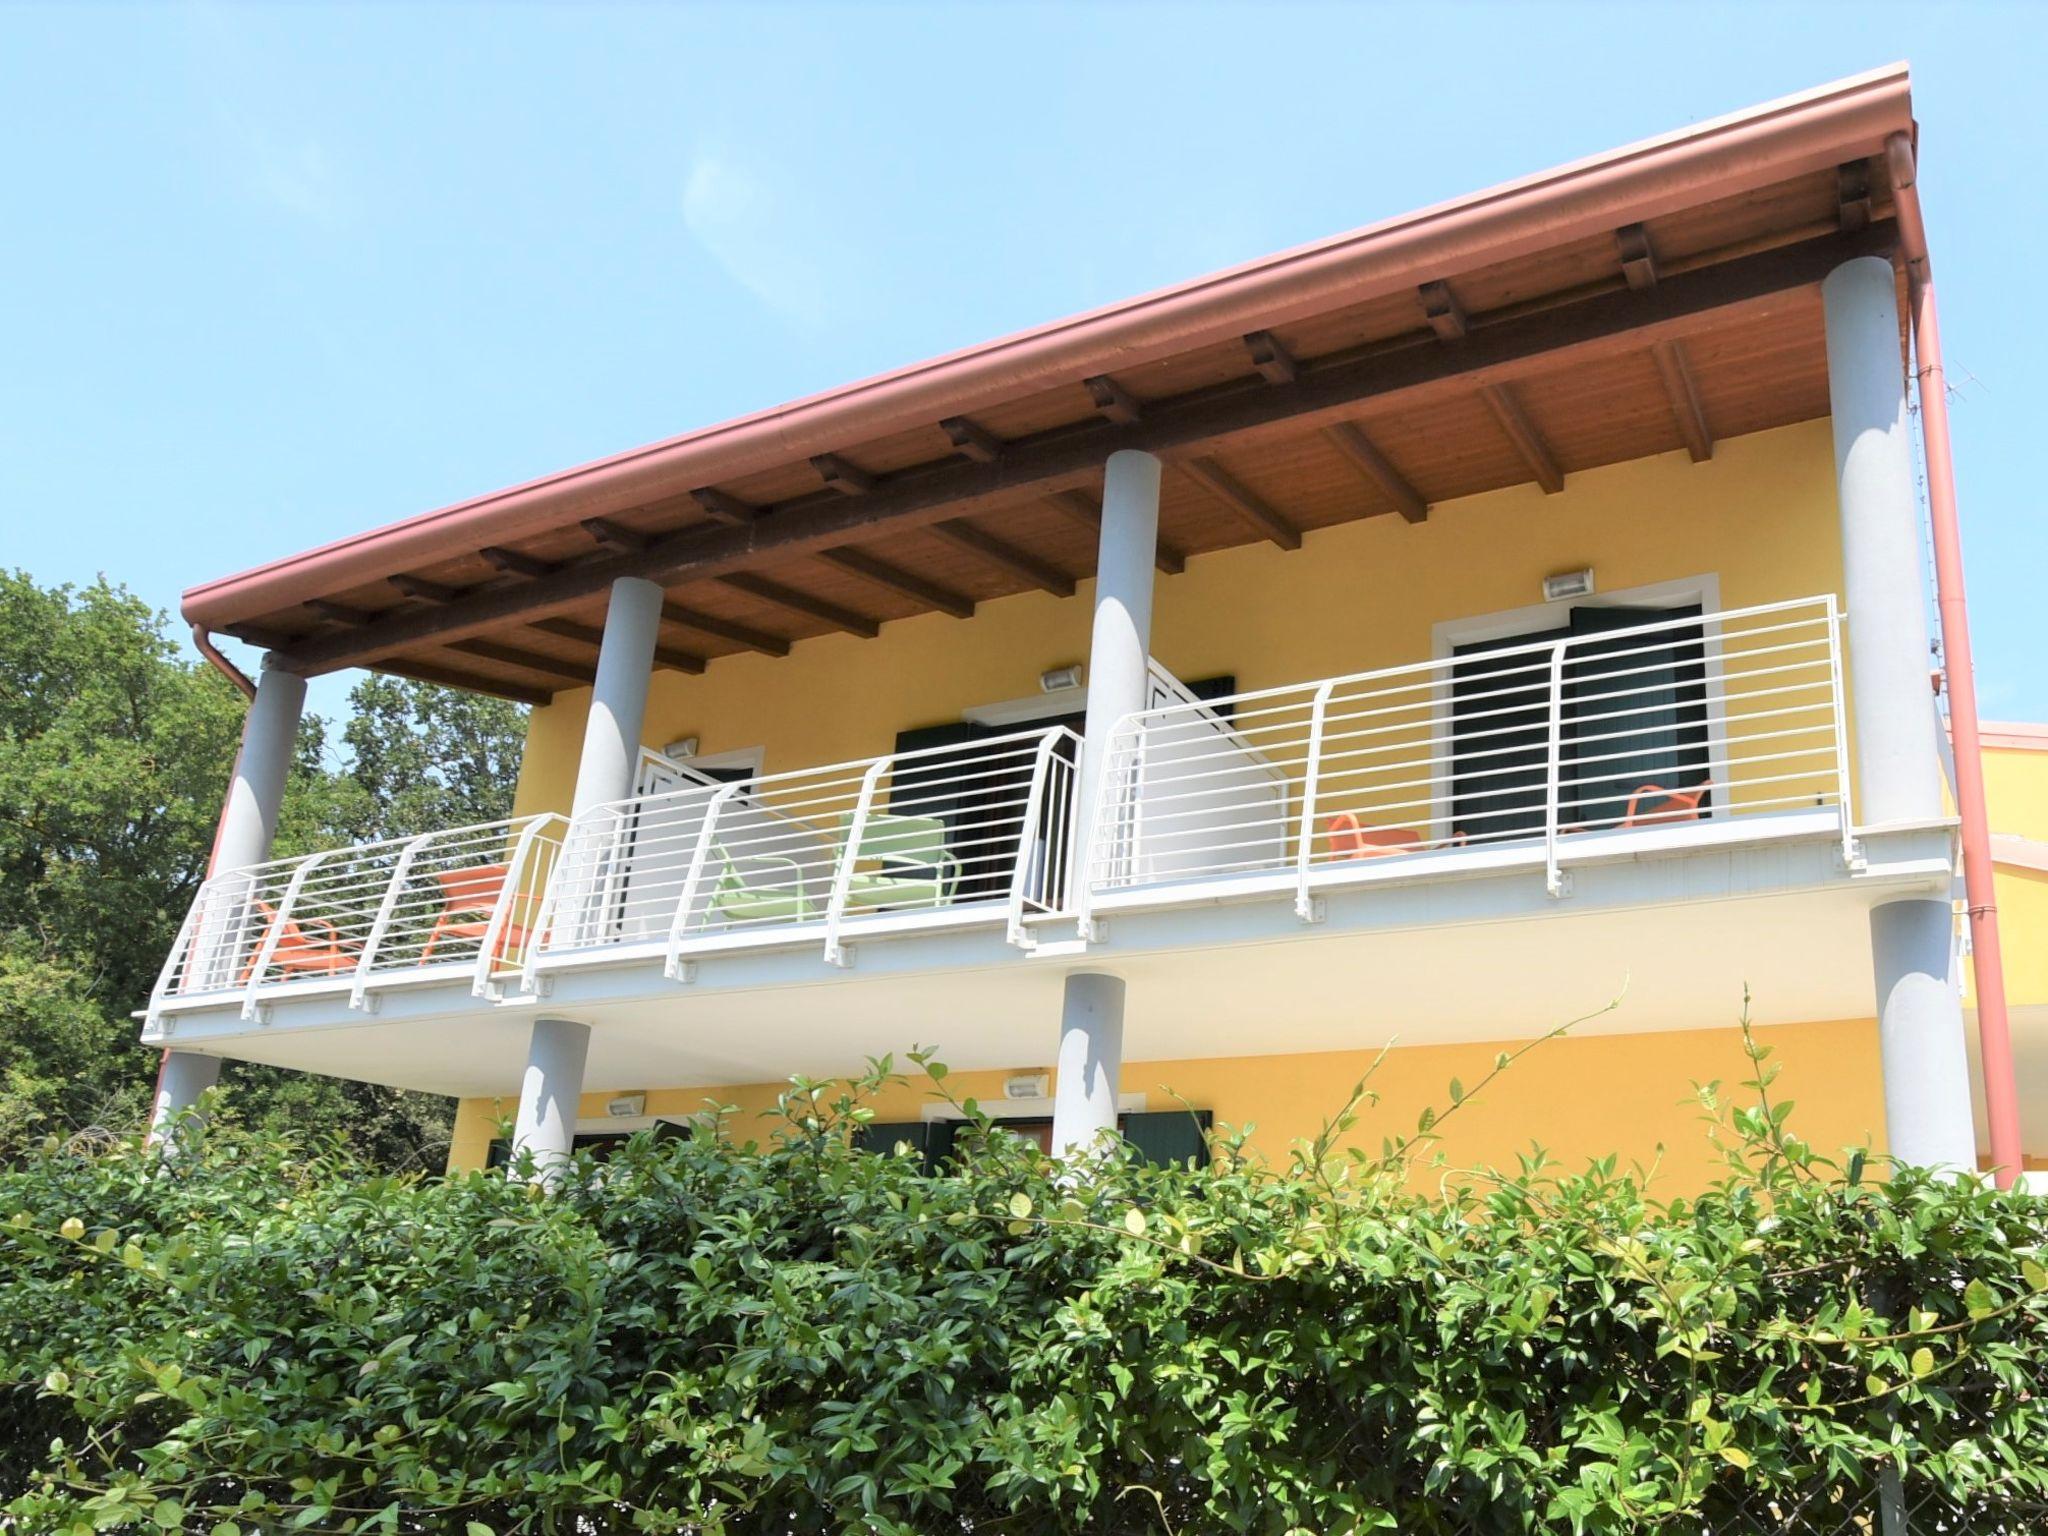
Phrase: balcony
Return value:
(1601, 777)
(1547, 754)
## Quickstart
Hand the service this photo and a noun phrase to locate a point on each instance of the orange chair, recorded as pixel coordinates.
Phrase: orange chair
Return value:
(1678, 804)
(309, 946)
(468, 898)
(1352, 839)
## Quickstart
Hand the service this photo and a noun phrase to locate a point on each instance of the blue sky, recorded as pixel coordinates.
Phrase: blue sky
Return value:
(274, 275)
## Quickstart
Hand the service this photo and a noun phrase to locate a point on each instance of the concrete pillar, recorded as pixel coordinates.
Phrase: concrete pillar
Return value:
(549, 1094)
(181, 1080)
(248, 822)
(1920, 1033)
(618, 699)
(1120, 650)
(1090, 1063)
(1897, 752)
(270, 731)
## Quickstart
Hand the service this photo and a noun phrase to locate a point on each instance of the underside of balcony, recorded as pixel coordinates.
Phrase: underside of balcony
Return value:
(1673, 938)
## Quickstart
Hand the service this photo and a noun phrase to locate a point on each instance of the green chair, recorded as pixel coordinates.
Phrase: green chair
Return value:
(734, 900)
(917, 868)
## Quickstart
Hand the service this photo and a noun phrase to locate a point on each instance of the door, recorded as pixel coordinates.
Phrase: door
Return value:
(1634, 713)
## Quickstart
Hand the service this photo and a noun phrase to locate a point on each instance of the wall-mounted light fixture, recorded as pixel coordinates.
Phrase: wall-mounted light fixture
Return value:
(1027, 1085)
(1058, 679)
(627, 1106)
(1568, 584)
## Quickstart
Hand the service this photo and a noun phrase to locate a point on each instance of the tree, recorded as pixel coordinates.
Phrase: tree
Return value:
(114, 755)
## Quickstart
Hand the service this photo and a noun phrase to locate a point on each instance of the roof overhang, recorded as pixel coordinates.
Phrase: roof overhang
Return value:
(1674, 283)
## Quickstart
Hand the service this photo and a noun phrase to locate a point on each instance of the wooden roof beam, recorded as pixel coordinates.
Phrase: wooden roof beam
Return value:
(1445, 314)
(514, 563)
(590, 634)
(1241, 499)
(1507, 410)
(1349, 439)
(847, 478)
(721, 508)
(422, 590)
(900, 581)
(1080, 508)
(1638, 261)
(1005, 556)
(1759, 287)
(615, 535)
(1275, 363)
(971, 440)
(1685, 400)
(1852, 195)
(1113, 401)
(339, 613)
(532, 661)
(447, 677)
(803, 602)
(724, 629)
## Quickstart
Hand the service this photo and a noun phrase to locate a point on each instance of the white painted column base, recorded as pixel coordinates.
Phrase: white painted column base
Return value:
(1090, 1063)
(1920, 1033)
(549, 1095)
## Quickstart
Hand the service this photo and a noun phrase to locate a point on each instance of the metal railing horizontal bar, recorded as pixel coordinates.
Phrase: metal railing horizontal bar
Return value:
(1704, 717)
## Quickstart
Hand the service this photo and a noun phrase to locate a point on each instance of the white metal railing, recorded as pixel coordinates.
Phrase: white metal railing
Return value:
(466, 896)
(1533, 746)
(900, 841)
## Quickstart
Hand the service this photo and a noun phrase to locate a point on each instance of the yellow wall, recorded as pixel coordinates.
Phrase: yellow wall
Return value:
(2016, 796)
(1760, 514)
(1585, 1098)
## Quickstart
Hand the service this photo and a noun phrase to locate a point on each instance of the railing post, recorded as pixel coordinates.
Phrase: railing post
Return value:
(359, 988)
(1311, 775)
(1554, 883)
(672, 965)
(1850, 857)
(501, 912)
(574, 837)
(842, 876)
(267, 950)
(154, 1013)
(1098, 815)
(1027, 838)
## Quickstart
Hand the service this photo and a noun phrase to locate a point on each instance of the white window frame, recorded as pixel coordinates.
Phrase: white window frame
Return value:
(1448, 634)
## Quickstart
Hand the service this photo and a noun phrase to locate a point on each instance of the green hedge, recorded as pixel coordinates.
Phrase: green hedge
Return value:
(761, 1328)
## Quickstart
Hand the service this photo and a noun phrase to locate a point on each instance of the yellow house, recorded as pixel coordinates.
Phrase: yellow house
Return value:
(1385, 652)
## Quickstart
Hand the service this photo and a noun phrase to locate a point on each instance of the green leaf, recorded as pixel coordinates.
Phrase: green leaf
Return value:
(1736, 1457)
(1020, 1205)
(477, 1528)
(2036, 1274)
(1923, 1361)
(1134, 1222)
(1979, 1300)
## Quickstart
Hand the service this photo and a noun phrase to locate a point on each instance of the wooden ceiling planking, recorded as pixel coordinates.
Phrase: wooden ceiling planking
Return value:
(1754, 367)
(1739, 221)
(1562, 270)
(1372, 321)
(1586, 415)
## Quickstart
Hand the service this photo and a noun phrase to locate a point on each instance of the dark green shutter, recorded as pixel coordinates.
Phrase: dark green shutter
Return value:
(1170, 1136)
(882, 1135)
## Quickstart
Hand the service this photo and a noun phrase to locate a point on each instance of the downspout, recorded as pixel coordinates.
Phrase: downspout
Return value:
(202, 638)
(1994, 1026)
(202, 641)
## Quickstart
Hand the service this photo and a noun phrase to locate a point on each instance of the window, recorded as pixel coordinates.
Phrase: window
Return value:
(1161, 1137)
(1634, 713)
